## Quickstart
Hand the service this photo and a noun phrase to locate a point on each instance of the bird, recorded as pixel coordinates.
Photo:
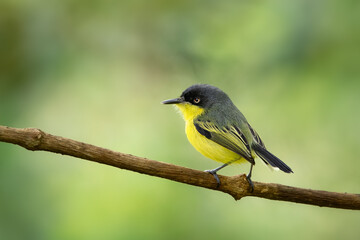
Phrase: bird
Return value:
(218, 130)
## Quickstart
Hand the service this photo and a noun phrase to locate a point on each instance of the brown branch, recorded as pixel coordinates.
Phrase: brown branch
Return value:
(237, 186)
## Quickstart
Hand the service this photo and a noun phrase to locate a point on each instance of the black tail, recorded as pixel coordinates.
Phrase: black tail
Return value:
(269, 158)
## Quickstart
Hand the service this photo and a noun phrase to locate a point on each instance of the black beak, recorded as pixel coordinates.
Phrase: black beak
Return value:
(173, 101)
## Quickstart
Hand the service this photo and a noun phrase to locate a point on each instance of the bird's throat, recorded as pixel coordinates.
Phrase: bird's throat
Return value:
(189, 111)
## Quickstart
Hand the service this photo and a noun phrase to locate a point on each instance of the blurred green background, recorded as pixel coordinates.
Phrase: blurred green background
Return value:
(96, 71)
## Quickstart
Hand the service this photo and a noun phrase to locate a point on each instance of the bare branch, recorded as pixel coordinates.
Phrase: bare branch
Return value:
(237, 186)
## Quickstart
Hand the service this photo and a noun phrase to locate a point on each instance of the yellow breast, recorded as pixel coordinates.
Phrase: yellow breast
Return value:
(205, 146)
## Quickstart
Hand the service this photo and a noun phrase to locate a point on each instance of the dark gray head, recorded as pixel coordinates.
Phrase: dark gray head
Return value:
(202, 95)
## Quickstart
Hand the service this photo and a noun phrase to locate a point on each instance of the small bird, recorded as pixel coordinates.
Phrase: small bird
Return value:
(219, 131)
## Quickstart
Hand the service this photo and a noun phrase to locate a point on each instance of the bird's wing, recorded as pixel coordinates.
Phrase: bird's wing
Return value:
(256, 136)
(229, 137)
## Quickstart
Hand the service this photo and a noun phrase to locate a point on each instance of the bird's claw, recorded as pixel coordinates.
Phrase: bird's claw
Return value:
(250, 183)
(215, 176)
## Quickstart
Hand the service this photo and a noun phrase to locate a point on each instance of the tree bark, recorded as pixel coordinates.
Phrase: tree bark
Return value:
(237, 186)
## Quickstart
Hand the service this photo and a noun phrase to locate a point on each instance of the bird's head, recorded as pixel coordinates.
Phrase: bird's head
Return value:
(197, 99)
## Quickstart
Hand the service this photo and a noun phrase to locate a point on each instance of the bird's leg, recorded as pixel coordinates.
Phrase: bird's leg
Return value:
(248, 177)
(214, 171)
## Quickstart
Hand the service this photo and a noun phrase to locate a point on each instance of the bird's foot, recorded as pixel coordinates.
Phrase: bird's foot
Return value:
(213, 172)
(248, 177)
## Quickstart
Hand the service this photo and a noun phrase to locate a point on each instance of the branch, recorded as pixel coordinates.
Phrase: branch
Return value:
(237, 186)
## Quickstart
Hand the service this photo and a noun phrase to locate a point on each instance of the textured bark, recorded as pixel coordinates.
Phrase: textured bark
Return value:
(237, 186)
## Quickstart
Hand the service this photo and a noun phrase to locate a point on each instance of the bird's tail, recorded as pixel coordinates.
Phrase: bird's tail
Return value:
(269, 158)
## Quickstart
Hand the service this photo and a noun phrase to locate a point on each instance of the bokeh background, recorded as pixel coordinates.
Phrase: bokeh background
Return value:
(96, 71)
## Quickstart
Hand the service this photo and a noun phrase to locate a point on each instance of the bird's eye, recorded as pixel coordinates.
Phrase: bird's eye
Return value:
(196, 100)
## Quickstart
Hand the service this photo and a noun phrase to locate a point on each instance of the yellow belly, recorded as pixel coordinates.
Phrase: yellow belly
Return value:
(205, 146)
(210, 148)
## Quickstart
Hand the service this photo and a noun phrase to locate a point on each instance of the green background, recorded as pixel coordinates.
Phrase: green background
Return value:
(96, 71)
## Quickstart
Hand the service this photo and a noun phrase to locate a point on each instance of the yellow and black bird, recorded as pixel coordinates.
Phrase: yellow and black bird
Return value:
(219, 131)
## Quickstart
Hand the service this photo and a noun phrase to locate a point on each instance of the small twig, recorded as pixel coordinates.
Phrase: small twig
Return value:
(237, 186)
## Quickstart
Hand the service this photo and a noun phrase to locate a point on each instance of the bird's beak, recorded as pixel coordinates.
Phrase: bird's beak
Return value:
(173, 101)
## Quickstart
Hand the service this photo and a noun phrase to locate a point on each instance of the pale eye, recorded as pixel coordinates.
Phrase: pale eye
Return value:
(196, 100)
